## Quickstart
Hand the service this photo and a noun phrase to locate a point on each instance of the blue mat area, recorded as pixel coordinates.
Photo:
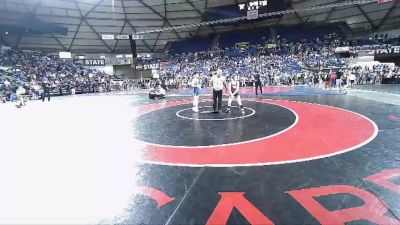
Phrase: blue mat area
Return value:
(306, 90)
(389, 88)
(267, 91)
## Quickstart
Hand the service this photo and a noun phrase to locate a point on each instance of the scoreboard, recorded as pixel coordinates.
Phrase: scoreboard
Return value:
(243, 9)
(253, 5)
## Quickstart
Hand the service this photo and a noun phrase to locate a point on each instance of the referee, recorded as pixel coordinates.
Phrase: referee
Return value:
(218, 83)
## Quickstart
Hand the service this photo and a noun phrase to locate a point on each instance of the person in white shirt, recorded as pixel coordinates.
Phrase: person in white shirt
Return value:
(196, 84)
(218, 83)
(20, 98)
(7, 84)
(352, 78)
(244, 81)
(161, 92)
(348, 78)
(157, 93)
(233, 89)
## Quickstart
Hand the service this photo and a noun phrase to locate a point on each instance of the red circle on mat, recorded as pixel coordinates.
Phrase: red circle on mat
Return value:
(321, 131)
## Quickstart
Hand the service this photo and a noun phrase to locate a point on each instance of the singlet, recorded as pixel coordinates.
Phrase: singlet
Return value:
(234, 85)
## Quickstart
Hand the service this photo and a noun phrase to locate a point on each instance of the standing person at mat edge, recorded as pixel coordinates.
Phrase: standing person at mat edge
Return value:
(46, 91)
(218, 83)
(196, 84)
(233, 89)
(257, 81)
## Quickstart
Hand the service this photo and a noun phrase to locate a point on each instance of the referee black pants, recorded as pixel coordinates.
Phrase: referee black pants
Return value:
(46, 93)
(258, 84)
(217, 96)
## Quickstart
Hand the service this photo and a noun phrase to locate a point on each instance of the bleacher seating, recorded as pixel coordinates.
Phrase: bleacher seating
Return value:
(199, 44)
(254, 36)
(308, 32)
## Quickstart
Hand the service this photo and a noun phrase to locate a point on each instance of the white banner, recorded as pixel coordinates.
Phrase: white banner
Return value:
(342, 49)
(123, 37)
(65, 55)
(137, 37)
(90, 62)
(154, 66)
(107, 36)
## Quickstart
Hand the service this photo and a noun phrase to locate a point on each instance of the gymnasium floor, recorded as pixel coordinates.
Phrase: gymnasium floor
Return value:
(298, 155)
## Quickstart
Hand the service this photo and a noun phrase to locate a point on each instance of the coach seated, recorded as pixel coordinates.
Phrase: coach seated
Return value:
(157, 93)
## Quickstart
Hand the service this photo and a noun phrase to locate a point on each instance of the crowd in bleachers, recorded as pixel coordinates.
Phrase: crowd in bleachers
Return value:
(29, 73)
(280, 61)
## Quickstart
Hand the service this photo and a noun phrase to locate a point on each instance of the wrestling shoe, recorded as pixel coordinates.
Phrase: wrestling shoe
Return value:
(195, 109)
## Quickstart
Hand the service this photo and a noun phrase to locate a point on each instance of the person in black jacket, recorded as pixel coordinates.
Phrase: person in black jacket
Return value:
(339, 75)
(257, 81)
(46, 91)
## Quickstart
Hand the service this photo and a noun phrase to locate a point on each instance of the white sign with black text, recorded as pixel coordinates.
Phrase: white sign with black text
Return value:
(123, 37)
(154, 66)
(107, 36)
(90, 62)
